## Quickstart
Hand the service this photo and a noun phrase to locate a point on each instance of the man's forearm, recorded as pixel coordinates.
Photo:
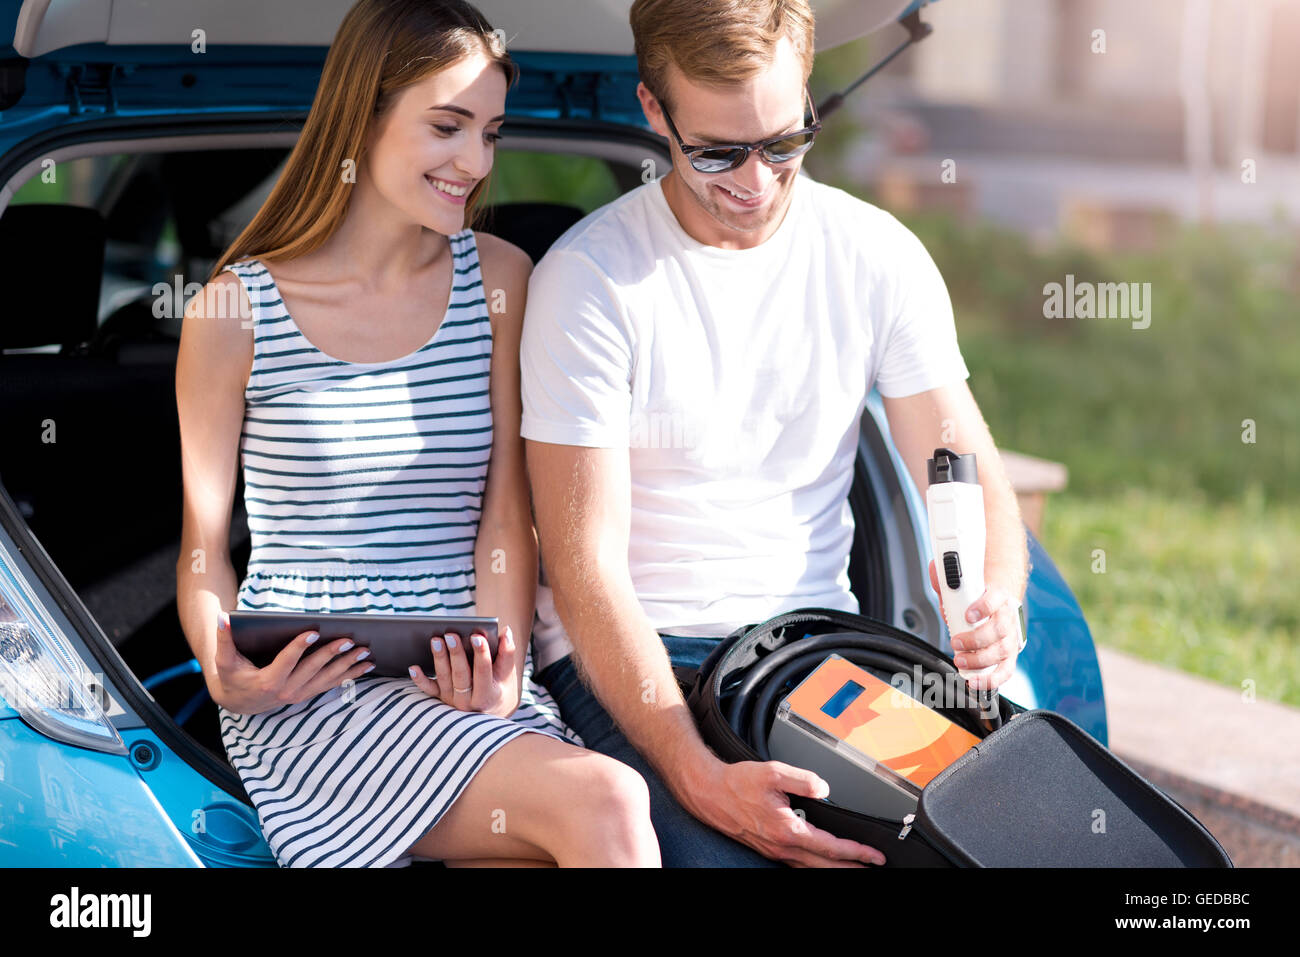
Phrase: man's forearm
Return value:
(947, 416)
(582, 499)
(1006, 552)
(624, 662)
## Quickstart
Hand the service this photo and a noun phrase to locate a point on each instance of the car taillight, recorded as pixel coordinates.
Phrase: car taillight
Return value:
(41, 676)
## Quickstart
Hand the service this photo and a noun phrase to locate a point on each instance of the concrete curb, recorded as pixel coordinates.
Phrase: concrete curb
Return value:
(1232, 762)
(1253, 834)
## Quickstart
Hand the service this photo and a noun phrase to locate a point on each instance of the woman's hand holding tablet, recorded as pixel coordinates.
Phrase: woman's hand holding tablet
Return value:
(290, 676)
(487, 685)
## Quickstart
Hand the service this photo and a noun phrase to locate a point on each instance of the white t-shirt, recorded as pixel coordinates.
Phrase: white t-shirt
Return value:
(736, 379)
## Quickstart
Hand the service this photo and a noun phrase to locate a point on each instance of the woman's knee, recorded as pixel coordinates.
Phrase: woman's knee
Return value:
(570, 804)
(607, 811)
(620, 790)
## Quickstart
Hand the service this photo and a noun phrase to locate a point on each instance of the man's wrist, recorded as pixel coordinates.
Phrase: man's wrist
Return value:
(1012, 581)
(690, 770)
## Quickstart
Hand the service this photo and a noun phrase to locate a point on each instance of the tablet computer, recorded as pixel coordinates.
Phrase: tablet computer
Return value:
(396, 641)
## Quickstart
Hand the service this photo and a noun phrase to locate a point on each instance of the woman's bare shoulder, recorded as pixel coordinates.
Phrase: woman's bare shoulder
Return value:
(505, 269)
(502, 257)
(217, 331)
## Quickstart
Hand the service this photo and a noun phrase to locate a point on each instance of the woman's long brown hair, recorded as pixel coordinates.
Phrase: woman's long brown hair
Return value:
(381, 47)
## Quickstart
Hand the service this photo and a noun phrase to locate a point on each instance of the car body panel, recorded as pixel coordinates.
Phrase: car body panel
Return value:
(569, 26)
(64, 806)
(222, 830)
(66, 60)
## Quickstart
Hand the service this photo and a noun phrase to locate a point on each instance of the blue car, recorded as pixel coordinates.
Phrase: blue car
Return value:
(136, 138)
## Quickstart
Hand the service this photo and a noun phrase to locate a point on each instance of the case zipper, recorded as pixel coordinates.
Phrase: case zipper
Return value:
(907, 826)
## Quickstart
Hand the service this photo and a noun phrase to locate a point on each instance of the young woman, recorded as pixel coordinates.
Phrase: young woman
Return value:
(372, 395)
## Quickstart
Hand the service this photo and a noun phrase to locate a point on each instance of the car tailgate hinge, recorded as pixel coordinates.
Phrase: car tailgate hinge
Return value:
(90, 87)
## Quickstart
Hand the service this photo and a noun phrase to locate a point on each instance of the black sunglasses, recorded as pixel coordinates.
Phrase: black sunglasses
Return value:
(776, 149)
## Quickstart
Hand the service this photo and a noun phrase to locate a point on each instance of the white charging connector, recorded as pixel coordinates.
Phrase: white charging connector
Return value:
(955, 502)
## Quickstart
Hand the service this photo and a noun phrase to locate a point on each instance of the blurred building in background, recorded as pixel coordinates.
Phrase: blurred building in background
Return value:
(1104, 119)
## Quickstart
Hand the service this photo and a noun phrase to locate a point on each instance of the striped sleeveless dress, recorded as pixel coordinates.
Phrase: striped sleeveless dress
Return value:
(363, 483)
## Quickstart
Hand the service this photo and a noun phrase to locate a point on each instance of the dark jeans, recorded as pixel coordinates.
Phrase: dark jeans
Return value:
(684, 841)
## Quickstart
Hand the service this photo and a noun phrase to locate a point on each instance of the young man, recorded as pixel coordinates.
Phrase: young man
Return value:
(696, 358)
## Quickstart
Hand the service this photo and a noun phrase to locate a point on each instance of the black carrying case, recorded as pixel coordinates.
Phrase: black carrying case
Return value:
(1038, 791)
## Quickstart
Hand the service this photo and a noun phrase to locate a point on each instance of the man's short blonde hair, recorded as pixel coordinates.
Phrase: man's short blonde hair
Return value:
(716, 42)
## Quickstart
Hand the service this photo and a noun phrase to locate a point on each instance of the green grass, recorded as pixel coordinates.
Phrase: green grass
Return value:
(1206, 588)
(1201, 530)
(1159, 408)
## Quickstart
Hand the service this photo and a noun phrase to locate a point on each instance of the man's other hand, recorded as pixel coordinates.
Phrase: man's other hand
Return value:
(750, 802)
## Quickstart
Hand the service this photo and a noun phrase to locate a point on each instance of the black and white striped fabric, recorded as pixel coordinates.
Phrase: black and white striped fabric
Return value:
(364, 484)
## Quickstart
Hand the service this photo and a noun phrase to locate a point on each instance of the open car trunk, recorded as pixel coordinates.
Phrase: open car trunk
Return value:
(105, 499)
(98, 364)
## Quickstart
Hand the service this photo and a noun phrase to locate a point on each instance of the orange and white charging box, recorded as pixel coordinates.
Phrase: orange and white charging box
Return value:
(874, 744)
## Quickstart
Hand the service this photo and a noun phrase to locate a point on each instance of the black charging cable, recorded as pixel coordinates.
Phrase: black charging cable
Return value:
(752, 699)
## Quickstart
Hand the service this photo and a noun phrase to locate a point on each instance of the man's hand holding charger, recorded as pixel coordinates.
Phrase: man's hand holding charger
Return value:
(982, 617)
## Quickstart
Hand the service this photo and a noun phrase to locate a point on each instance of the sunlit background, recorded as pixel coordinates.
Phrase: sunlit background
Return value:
(1164, 149)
